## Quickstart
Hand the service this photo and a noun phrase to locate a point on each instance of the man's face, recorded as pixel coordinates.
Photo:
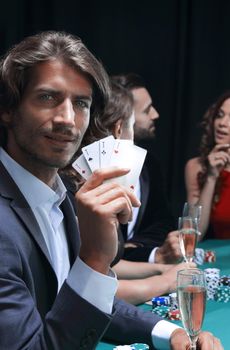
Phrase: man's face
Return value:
(145, 114)
(46, 129)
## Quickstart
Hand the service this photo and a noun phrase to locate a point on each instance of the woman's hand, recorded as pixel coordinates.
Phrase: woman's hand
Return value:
(218, 159)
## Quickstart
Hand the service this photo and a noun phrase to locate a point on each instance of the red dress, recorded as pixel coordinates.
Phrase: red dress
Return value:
(220, 214)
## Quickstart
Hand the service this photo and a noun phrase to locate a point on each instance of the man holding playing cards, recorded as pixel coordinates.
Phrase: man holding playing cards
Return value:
(150, 236)
(55, 292)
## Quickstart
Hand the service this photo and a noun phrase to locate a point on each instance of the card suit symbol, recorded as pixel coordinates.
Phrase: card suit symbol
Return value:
(132, 187)
(83, 171)
(103, 152)
(116, 151)
(89, 159)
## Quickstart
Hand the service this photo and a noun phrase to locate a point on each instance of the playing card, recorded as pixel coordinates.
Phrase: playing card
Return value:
(81, 166)
(119, 147)
(91, 154)
(126, 155)
(106, 148)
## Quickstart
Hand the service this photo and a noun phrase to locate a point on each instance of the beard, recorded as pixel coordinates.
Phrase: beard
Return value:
(141, 134)
(39, 148)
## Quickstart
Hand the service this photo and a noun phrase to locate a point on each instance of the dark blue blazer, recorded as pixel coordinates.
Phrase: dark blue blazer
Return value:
(32, 315)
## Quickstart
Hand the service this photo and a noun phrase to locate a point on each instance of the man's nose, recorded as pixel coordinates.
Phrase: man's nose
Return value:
(154, 113)
(65, 113)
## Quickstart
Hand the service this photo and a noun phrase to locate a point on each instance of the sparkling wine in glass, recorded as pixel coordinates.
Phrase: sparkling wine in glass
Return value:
(192, 210)
(188, 230)
(191, 294)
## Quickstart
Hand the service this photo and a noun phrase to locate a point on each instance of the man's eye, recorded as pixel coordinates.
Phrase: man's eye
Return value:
(46, 97)
(82, 104)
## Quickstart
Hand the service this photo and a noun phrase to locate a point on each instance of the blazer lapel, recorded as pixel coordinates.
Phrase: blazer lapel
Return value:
(19, 205)
(27, 217)
(144, 185)
(72, 231)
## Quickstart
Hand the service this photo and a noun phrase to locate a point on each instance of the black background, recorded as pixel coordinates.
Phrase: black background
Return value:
(180, 47)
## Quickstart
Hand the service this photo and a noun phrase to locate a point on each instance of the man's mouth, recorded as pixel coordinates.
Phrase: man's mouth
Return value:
(59, 139)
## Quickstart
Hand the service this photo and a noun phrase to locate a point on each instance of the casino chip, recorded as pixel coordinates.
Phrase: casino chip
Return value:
(163, 300)
(161, 310)
(212, 277)
(209, 256)
(224, 281)
(199, 256)
(174, 315)
(135, 346)
(173, 301)
(139, 346)
(223, 294)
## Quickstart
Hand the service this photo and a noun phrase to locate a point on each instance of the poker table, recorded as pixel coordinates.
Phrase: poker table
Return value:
(217, 316)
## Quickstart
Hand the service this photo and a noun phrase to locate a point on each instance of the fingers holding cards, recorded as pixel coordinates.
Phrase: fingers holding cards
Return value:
(109, 152)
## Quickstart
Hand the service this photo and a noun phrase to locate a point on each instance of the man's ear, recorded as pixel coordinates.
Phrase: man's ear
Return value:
(118, 129)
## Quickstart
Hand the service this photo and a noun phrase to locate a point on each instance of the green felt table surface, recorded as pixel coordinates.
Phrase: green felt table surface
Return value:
(217, 315)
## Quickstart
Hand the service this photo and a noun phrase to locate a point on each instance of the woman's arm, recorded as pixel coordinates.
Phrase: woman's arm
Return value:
(203, 197)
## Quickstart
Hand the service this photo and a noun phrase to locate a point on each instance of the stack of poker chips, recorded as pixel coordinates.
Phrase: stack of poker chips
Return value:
(209, 256)
(173, 301)
(212, 277)
(199, 256)
(223, 291)
(163, 300)
(135, 346)
(166, 306)
(204, 256)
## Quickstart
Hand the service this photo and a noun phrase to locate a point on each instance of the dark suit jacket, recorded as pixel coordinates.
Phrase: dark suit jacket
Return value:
(32, 315)
(154, 220)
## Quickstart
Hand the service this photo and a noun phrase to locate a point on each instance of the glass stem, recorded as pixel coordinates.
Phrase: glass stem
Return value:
(193, 342)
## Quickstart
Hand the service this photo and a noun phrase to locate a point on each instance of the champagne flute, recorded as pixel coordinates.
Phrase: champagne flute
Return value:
(188, 230)
(192, 210)
(191, 293)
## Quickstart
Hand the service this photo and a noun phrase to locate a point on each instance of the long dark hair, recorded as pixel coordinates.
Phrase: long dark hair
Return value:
(208, 138)
(119, 106)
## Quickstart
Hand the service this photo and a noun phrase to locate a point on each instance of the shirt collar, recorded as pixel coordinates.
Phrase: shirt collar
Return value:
(30, 185)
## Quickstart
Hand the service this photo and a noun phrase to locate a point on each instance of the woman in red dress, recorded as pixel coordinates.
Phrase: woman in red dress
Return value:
(207, 177)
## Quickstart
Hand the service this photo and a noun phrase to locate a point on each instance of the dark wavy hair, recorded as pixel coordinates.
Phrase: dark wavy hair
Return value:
(208, 139)
(16, 66)
(119, 106)
(130, 81)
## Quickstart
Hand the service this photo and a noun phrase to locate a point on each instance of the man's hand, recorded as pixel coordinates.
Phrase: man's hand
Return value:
(170, 276)
(169, 252)
(206, 341)
(100, 208)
